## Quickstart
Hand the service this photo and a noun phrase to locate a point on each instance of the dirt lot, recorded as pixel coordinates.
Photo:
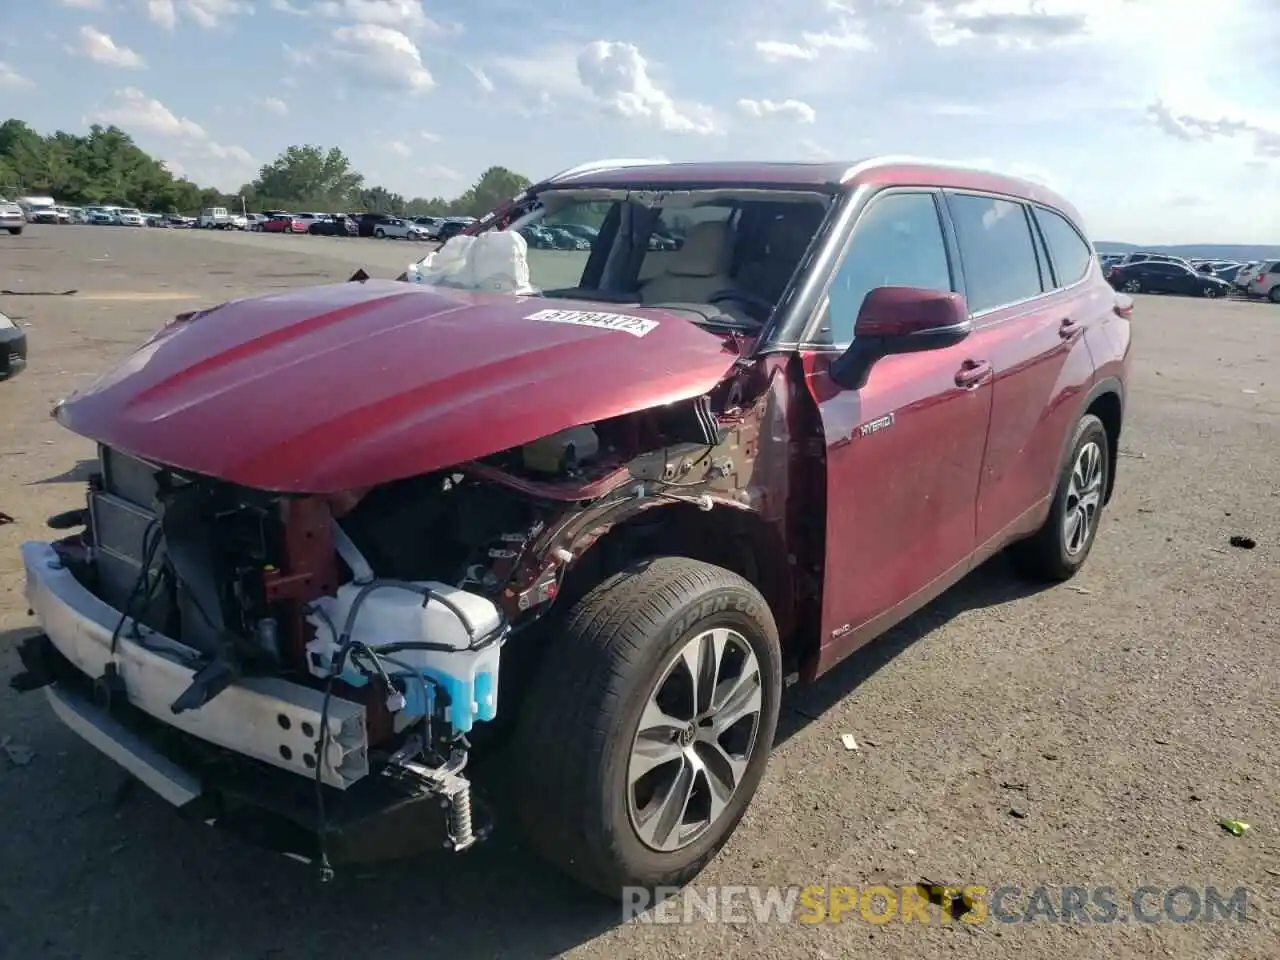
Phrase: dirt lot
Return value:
(1088, 735)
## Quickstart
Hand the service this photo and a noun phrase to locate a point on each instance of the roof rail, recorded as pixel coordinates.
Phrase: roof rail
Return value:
(595, 166)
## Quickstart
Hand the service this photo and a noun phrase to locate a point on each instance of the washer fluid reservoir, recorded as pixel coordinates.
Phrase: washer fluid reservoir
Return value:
(391, 613)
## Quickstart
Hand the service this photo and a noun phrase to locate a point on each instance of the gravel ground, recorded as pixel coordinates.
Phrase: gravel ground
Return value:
(1088, 735)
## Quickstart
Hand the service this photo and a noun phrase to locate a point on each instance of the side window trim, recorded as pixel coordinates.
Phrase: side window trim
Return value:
(810, 340)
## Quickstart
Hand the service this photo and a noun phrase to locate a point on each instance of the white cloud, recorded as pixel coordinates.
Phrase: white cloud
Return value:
(438, 172)
(1024, 23)
(100, 48)
(788, 109)
(428, 136)
(84, 4)
(1190, 127)
(11, 79)
(381, 56)
(617, 75)
(776, 51)
(405, 15)
(273, 105)
(482, 79)
(204, 13)
(845, 33)
(399, 148)
(210, 161)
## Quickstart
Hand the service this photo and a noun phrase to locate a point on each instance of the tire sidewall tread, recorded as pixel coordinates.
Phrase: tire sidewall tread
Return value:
(577, 722)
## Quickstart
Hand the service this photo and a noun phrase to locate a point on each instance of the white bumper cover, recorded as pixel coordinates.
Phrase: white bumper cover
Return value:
(265, 718)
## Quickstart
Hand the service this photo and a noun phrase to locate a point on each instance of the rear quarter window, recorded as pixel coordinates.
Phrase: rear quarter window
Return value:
(1069, 251)
(1001, 266)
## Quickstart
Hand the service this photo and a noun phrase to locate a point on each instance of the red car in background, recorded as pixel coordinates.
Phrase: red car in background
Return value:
(285, 223)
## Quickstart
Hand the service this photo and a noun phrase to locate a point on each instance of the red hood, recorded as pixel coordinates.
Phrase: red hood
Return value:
(354, 384)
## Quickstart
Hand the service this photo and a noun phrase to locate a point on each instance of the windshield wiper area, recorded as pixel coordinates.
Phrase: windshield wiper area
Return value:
(710, 316)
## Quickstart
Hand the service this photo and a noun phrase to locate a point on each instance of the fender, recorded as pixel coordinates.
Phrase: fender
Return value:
(1107, 385)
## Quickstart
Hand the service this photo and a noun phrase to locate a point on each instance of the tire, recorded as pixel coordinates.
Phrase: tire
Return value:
(1048, 555)
(580, 718)
(1132, 286)
(1209, 292)
(15, 231)
(1274, 295)
(380, 234)
(288, 229)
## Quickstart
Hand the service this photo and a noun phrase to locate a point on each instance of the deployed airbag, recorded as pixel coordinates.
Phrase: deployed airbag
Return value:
(497, 262)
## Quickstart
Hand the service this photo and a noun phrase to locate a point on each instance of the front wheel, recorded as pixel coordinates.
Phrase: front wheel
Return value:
(1132, 286)
(1059, 548)
(648, 725)
(380, 234)
(1210, 292)
(15, 231)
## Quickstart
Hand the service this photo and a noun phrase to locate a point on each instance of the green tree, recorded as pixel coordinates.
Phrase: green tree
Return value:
(496, 185)
(309, 175)
(105, 166)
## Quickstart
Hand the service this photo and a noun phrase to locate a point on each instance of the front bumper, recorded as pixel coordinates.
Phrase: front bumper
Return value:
(267, 719)
(13, 352)
(223, 764)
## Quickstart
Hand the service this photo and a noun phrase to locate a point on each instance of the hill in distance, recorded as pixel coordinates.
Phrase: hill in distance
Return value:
(1196, 251)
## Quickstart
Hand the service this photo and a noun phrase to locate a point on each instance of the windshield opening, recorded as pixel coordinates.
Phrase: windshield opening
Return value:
(724, 256)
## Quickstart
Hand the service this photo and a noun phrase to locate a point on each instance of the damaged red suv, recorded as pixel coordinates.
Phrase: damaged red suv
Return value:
(643, 488)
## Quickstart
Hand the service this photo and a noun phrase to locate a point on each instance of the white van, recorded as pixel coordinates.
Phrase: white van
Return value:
(39, 209)
(215, 218)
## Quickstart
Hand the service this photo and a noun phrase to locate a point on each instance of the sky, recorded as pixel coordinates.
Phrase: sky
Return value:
(1158, 119)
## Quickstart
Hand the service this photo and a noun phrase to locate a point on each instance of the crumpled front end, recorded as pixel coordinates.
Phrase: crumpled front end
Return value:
(179, 639)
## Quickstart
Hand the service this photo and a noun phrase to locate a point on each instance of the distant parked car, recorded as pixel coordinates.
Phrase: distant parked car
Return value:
(156, 220)
(452, 227)
(394, 228)
(11, 217)
(431, 224)
(285, 223)
(1229, 272)
(1149, 257)
(1265, 281)
(341, 226)
(1157, 276)
(368, 222)
(39, 209)
(13, 349)
(130, 217)
(102, 216)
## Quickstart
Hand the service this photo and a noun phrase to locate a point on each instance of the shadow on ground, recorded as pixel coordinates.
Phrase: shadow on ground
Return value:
(199, 890)
(77, 474)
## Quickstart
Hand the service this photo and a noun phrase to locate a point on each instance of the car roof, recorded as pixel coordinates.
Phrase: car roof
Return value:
(826, 176)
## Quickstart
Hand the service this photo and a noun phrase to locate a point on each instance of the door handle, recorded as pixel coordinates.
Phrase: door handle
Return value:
(1068, 328)
(972, 373)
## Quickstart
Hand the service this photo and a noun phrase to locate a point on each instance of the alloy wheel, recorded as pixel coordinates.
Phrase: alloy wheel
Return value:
(1133, 286)
(694, 740)
(1084, 496)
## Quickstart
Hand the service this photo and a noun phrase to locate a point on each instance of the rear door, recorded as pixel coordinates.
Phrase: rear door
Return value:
(904, 452)
(1033, 327)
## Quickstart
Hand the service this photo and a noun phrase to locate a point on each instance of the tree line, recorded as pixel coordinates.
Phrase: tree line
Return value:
(106, 166)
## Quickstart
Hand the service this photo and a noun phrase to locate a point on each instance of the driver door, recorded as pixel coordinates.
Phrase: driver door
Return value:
(903, 453)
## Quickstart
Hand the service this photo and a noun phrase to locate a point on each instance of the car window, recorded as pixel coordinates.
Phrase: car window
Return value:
(996, 248)
(897, 242)
(1070, 253)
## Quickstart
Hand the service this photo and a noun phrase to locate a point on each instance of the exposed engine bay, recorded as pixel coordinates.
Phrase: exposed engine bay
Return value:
(404, 598)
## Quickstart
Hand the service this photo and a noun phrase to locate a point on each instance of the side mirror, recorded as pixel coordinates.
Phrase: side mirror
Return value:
(900, 320)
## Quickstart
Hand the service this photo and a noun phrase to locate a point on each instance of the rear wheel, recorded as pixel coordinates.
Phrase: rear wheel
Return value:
(647, 728)
(1274, 295)
(1060, 547)
(380, 234)
(1210, 292)
(1132, 286)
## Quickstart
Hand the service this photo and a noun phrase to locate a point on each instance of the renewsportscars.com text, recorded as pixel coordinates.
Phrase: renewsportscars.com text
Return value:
(935, 904)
